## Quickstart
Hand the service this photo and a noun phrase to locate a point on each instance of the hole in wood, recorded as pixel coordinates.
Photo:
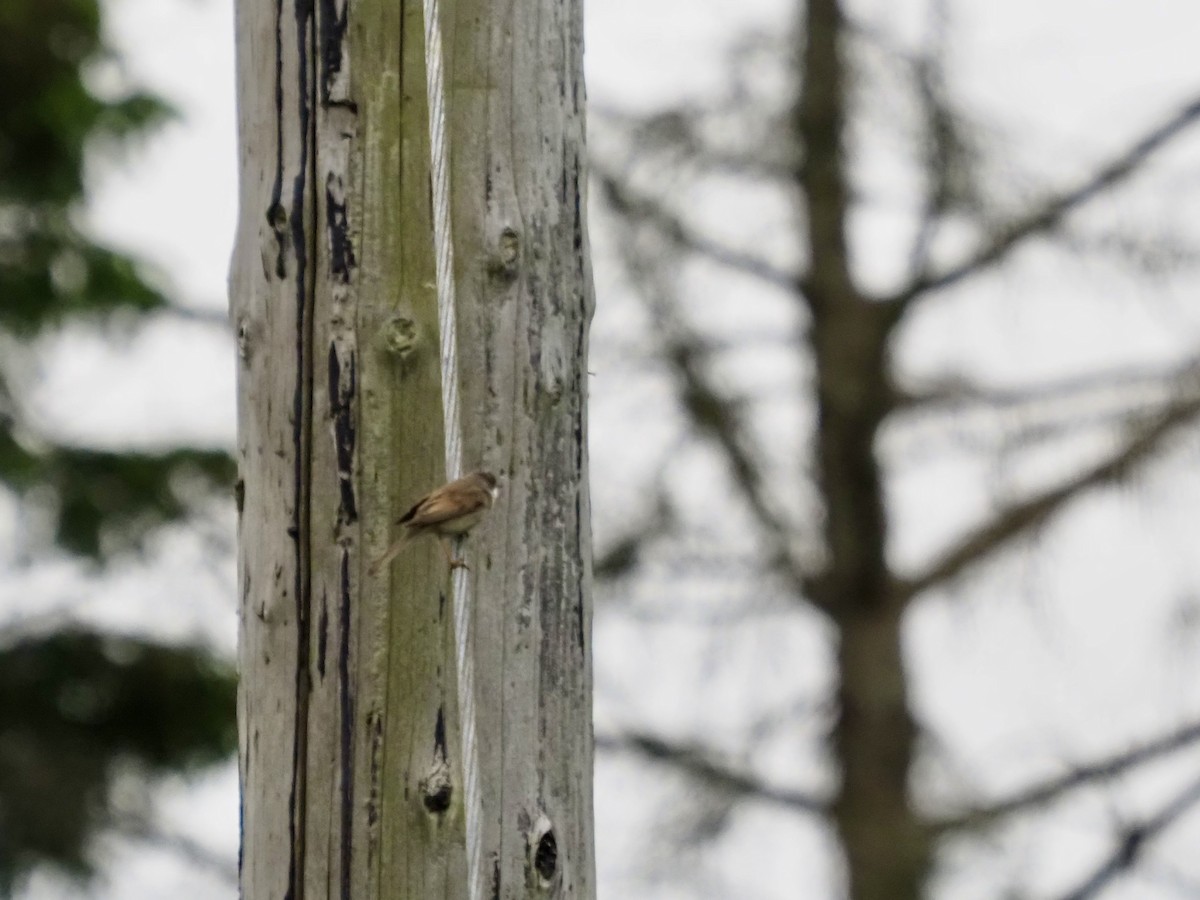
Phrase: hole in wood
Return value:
(436, 789)
(545, 856)
(543, 853)
(437, 801)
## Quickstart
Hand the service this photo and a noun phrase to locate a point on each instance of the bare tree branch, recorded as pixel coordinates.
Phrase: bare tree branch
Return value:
(943, 144)
(1157, 252)
(717, 417)
(697, 762)
(1080, 776)
(637, 208)
(1052, 211)
(1133, 842)
(725, 618)
(1023, 517)
(959, 392)
(711, 413)
(678, 134)
(625, 553)
(987, 418)
(740, 131)
(217, 318)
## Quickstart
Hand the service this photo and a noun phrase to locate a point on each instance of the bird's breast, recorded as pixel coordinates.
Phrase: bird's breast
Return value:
(460, 525)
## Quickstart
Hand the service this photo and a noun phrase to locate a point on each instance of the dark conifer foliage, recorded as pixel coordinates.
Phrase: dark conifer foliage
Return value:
(77, 708)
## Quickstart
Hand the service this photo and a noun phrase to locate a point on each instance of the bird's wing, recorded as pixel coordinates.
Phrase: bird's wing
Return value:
(439, 507)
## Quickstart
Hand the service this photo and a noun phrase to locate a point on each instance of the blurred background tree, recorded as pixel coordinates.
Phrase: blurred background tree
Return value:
(80, 708)
(909, 351)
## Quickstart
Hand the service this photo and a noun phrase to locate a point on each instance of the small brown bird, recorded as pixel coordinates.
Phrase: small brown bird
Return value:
(451, 510)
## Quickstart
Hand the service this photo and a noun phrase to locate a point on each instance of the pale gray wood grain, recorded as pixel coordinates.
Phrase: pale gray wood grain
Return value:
(525, 294)
(347, 711)
(267, 299)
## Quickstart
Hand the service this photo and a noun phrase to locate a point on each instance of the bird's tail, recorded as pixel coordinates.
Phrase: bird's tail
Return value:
(392, 552)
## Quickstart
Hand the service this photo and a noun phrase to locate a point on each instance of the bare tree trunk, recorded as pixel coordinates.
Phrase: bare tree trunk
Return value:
(887, 851)
(350, 755)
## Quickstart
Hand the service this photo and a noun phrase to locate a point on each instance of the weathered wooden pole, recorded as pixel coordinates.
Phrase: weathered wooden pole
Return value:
(350, 729)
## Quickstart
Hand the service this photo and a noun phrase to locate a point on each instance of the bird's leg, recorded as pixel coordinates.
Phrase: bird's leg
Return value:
(454, 563)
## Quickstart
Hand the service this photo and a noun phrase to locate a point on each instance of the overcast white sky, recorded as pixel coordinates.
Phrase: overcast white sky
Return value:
(1081, 74)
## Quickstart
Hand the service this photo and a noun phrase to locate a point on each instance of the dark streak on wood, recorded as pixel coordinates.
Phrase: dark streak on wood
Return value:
(341, 404)
(375, 728)
(346, 725)
(577, 221)
(273, 216)
(439, 735)
(537, 318)
(322, 634)
(242, 832)
(333, 33)
(580, 438)
(274, 212)
(341, 248)
(301, 436)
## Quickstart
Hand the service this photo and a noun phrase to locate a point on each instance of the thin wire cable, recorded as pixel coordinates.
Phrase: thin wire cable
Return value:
(444, 255)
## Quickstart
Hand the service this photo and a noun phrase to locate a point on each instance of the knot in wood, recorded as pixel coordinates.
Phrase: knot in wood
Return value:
(277, 217)
(245, 340)
(436, 788)
(401, 337)
(505, 259)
